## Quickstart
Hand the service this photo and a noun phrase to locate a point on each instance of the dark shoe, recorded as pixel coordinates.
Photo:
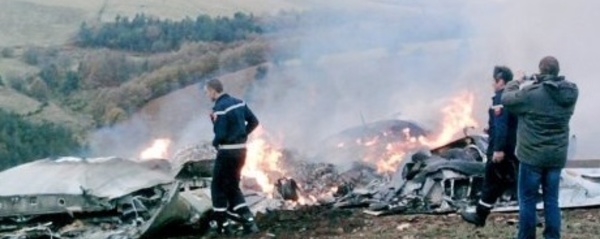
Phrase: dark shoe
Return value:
(250, 227)
(473, 218)
(247, 220)
(222, 229)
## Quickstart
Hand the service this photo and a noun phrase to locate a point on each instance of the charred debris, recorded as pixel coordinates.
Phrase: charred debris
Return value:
(122, 198)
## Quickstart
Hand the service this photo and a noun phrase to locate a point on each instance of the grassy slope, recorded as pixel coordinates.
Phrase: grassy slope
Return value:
(57, 20)
(21, 104)
(17, 102)
(166, 115)
(25, 23)
(53, 22)
(49, 22)
(15, 67)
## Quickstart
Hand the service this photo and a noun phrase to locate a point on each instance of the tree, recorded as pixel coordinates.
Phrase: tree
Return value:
(17, 83)
(114, 115)
(8, 52)
(22, 141)
(105, 69)
(85, 35)
(71, 83)
(39, 89)
(51, 75)
(31, 56)
(147, 34)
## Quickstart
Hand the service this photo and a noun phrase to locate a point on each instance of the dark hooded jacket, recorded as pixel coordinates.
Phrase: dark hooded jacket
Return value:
(544, 110)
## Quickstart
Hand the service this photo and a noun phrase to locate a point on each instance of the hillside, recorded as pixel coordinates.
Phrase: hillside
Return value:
(56, 21)
(127, 80)
(59, 77)
(180, 116)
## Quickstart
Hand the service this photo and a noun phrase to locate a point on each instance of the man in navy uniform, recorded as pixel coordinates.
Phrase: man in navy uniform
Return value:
(501, 166)
(233, 121)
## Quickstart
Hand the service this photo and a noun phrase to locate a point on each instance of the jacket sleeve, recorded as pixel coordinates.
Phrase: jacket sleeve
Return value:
(500, 130)
(220, 129)
(251, 120)
(513, 98)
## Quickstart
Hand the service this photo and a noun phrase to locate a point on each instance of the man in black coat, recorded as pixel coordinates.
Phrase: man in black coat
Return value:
(501, 166)
(233, 121)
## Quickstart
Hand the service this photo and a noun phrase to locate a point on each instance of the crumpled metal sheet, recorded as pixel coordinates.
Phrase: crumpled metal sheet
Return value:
(579, 187)
(136, 199)
(194, 153)
(101, 177)
(450, 183)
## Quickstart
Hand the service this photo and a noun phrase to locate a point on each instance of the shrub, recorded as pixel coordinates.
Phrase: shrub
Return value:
(8, 52)
(22, 141)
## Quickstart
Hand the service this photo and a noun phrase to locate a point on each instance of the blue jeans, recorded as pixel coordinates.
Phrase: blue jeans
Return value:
(530, 179)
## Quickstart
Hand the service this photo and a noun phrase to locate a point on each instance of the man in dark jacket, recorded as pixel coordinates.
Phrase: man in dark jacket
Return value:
(500, 169)
(232, 121)
(544, 107)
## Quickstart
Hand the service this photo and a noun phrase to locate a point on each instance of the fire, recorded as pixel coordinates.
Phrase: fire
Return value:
(262, 160)
(263, 164)
(307, 200)
(391, 163)
(264, 157)
(455, 118)
(158, 150)
(371, 142)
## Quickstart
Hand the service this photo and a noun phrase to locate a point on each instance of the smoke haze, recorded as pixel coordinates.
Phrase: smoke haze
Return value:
(370, 60)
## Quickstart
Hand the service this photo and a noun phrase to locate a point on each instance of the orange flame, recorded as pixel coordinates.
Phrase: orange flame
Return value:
(262, 160)
(263, 164)
(456, 116)
(158, 150)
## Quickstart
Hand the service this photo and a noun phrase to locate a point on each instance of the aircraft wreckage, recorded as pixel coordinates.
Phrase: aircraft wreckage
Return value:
(122, 198)
(93, 198)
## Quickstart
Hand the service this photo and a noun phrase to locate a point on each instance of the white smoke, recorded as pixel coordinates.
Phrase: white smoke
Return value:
(521, 33)
(368, 60)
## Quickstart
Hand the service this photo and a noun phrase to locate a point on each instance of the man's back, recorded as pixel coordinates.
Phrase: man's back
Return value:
(233, 121)
(544, 110)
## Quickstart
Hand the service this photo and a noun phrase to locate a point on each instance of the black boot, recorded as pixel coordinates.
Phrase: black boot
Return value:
(244, 217)
(478, 217)
(249, 225)
(220, 225)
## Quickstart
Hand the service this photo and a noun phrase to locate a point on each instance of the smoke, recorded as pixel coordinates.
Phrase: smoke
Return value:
(423, 54)
(351, 62)
(521, 33)
(181, 117)
(367, 63)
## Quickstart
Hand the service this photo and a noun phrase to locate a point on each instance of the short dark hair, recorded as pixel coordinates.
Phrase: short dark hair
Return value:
(549, 65)
(215, 84)
(503, 72)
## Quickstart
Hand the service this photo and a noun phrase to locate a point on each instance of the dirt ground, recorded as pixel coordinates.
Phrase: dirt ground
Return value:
(323, 222)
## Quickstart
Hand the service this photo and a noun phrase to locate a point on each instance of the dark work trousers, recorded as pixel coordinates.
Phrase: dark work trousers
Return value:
(225, 187)
(498, 178)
